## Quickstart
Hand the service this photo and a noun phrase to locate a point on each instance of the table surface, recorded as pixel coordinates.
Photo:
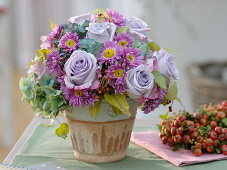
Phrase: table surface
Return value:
(137, 157)
(36, 121)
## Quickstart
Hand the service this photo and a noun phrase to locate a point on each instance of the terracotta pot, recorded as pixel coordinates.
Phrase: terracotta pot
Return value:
(100, 140)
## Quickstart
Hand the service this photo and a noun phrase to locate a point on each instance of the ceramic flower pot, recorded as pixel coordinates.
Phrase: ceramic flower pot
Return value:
(100, 140)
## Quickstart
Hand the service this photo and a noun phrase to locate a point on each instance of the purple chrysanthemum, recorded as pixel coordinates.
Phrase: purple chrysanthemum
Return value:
(115, 17)
(69, 42)
(53, 62)
(132, 56)
(118, 75)
(78, 98)
(123, 40)
(110, 52)
(152, 104)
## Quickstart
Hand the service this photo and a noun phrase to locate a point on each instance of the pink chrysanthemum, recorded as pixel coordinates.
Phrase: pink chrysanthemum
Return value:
(115, 17)
(118, 75)
(123, 40)
(78, 98)
(152, 104)
(110, 52)
(53, 62)
(69, 42)
(132, 57)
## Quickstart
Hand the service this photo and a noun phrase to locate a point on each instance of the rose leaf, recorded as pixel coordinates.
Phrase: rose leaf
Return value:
(62, 130)
(172, 90)
(159, 79)
(94, 110)
(165, 116)
(122, 29)
(153, 46)
(118, 101)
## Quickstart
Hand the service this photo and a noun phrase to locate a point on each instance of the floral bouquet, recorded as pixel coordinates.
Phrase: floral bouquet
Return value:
(95, 57)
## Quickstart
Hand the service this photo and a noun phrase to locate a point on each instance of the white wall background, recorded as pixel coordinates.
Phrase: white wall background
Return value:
(196, 27)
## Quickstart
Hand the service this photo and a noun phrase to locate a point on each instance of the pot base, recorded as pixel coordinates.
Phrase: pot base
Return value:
(99, 158)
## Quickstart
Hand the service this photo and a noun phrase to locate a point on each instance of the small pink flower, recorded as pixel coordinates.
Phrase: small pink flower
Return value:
(110, 52)
(69, 42)
(132, 57)
(123, 40)
(116, 17)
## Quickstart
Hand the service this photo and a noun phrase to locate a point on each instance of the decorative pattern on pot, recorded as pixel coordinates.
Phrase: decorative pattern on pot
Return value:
(100, 141)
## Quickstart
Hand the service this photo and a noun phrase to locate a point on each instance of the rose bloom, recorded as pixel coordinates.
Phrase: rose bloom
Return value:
(140, 82)
(80, 70)
(137, 28)
(81, 18)
(101, 32)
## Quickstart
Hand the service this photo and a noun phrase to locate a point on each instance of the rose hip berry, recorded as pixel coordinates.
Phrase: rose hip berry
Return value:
(213, 135)
(164, 139)
(197, 152)
(203, 121)
(173, 131)
(186, 139)
(199, 139)
(221, 137)
(209, 141)
(177, 138)
(180, 131)
(216, 143)
(213, 124)
(177, 123)
(210, 148)
(218, 130)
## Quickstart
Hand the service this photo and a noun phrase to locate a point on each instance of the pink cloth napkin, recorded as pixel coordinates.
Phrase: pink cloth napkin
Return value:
(151, 142)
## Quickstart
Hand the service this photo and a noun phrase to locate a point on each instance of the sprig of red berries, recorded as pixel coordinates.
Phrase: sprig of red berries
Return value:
(203, 131)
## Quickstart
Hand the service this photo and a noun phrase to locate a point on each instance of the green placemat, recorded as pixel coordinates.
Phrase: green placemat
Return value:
(43, 146)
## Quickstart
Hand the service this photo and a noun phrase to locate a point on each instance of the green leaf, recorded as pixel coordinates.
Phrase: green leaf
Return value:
(122, 29)
(153, 46)
(62, 130)
(172, 91)
(171, 50)
(177, 146)
(136, 43)
(165, 116)
(217, 150)
(94, 110)
(159, 79)
(116, 110)
(179, 101)
(91, 46)
(46, 80)
(144, 49)
(41, 55)
(52, 25)
(27, 87)
(99, 11)
(118, 101)
(45, 125)
(159, 127)
(225, 121)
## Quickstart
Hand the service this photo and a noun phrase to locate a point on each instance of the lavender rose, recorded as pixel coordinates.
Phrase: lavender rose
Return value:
(81, 18)
(80, 70)
(101, 32)
(166, 65)
(140, 82)
(137, 28)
